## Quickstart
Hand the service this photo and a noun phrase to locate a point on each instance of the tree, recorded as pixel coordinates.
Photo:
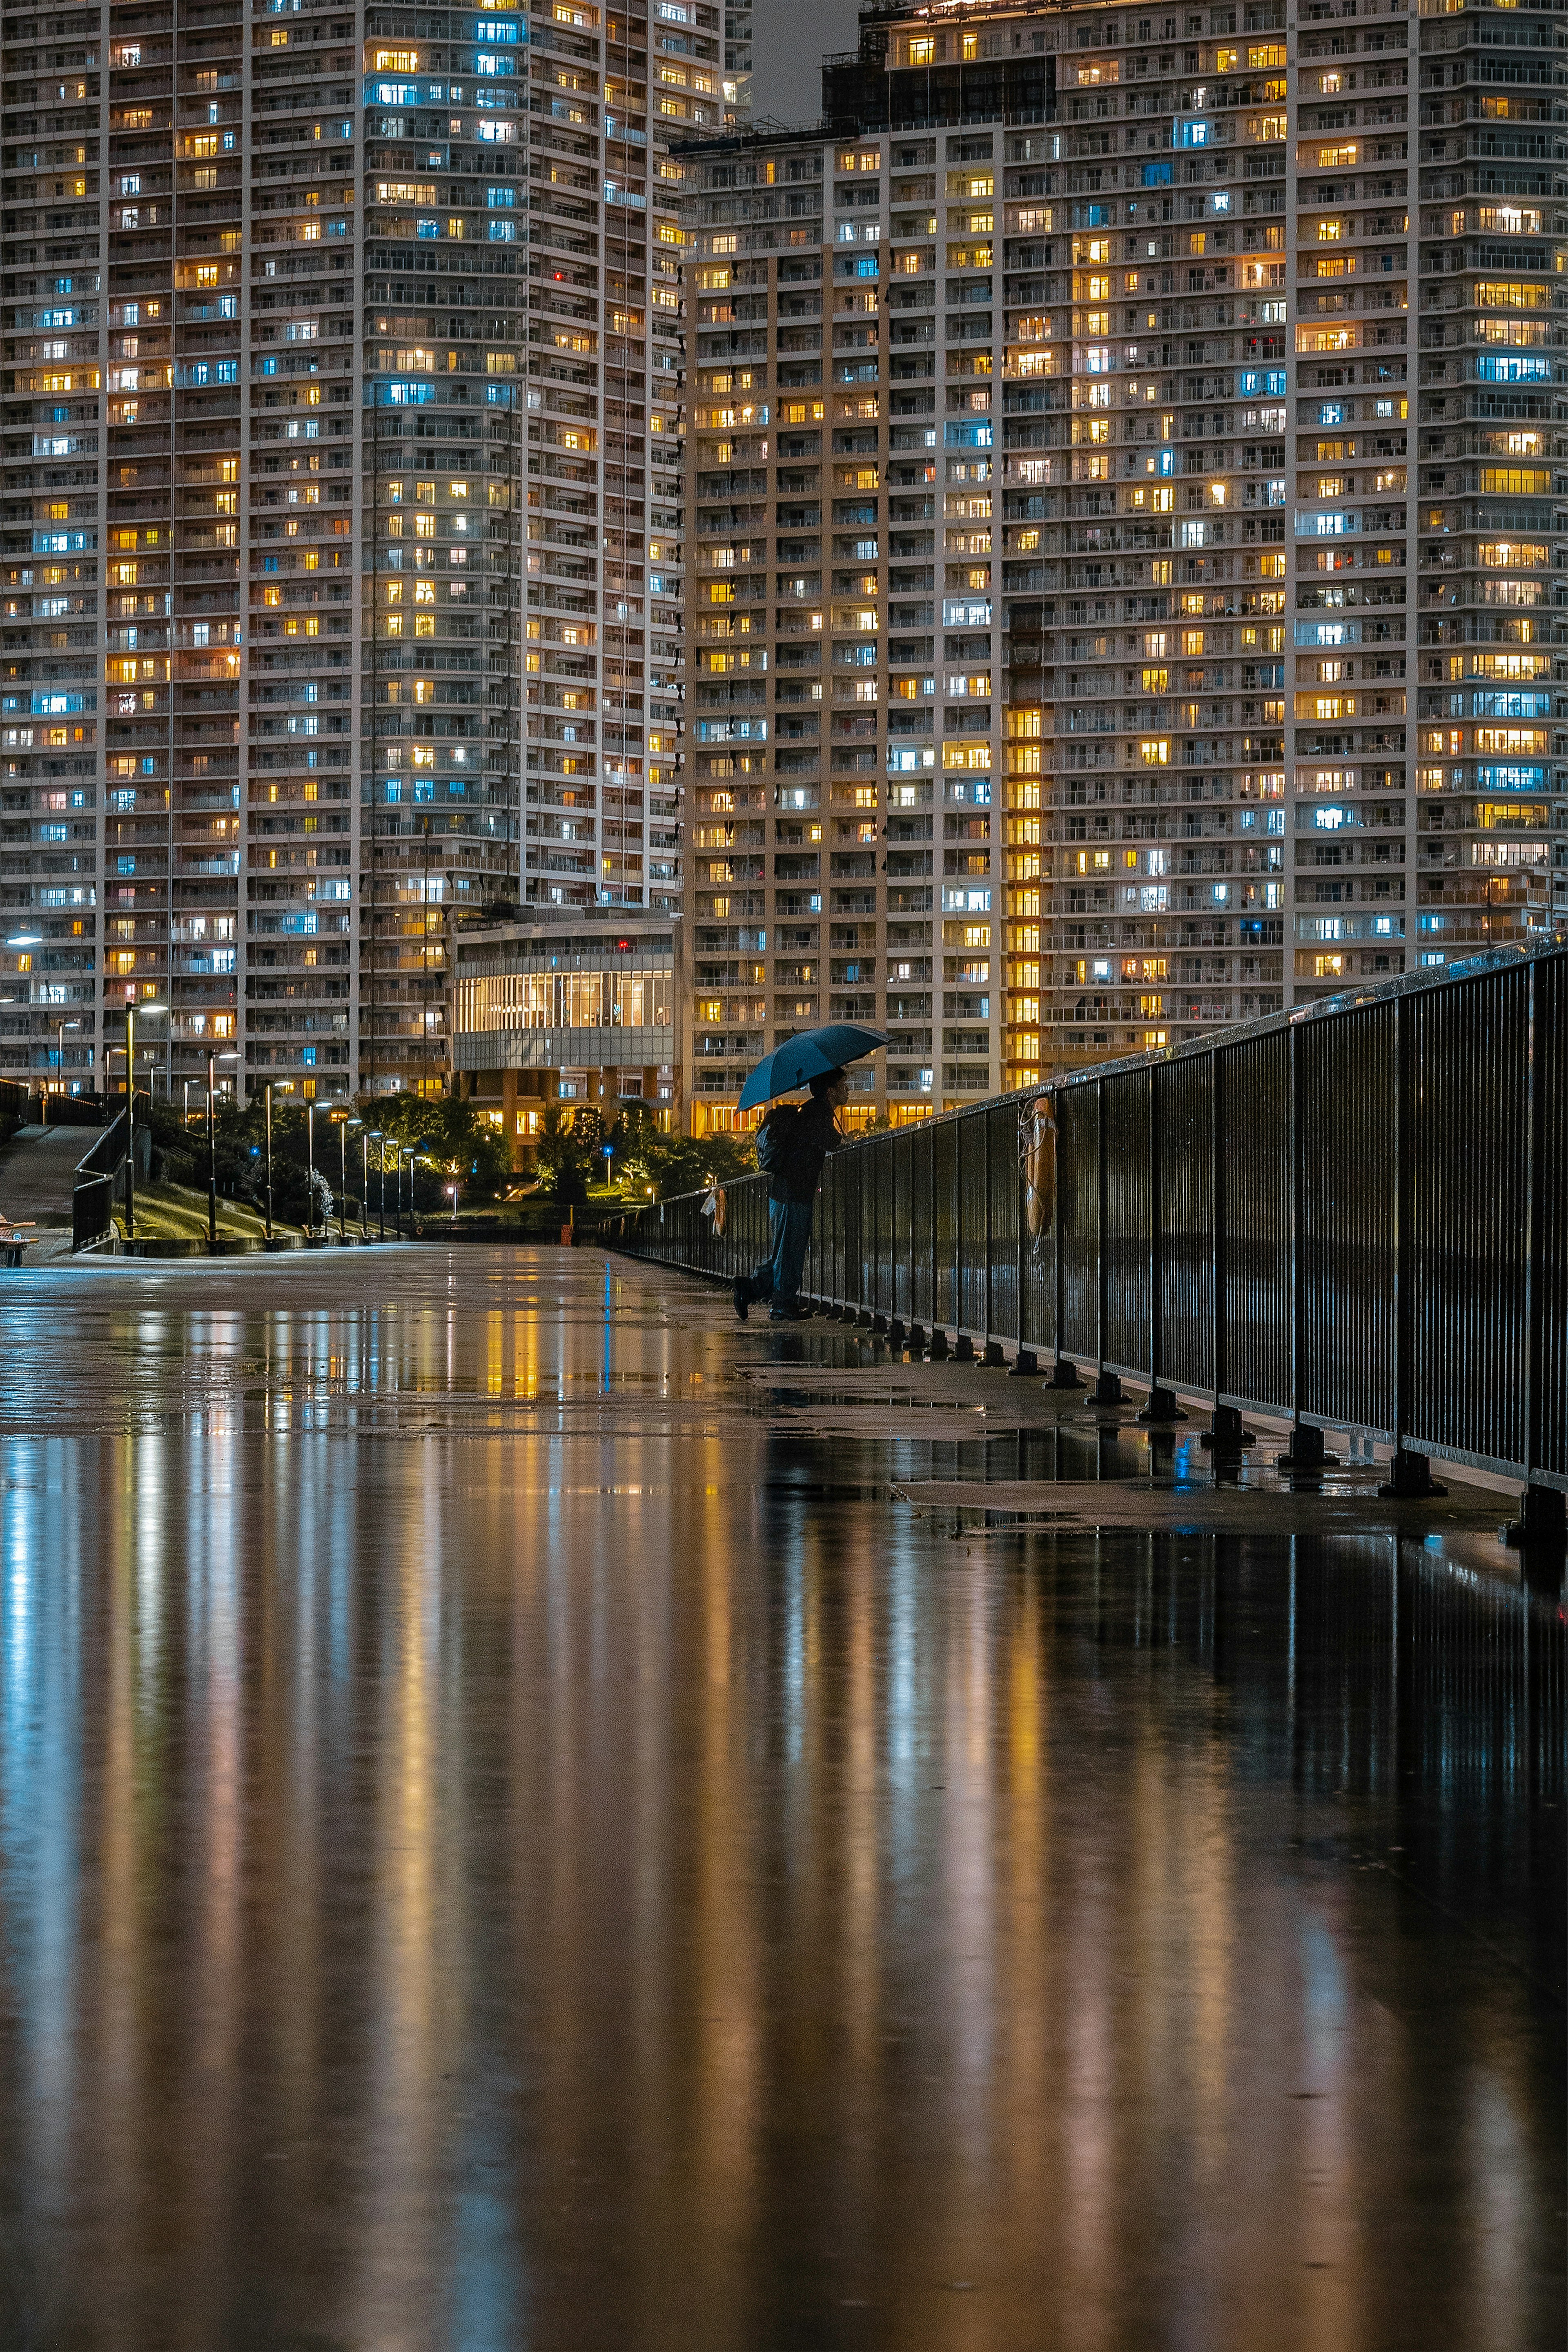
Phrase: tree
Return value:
(564, 1161)
(667, 1164)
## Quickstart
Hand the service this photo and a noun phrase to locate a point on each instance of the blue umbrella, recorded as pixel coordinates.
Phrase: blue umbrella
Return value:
(807, 1057)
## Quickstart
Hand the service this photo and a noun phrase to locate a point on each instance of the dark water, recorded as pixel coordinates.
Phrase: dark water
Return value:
(509, 1838)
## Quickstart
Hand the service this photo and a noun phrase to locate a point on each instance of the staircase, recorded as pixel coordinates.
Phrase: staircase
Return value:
(38, 1176)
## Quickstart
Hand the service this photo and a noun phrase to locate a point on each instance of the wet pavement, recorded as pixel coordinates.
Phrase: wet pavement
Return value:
(513, 1833)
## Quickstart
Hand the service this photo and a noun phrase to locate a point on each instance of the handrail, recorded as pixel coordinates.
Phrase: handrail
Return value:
(1353, 1216)
(92, 1196)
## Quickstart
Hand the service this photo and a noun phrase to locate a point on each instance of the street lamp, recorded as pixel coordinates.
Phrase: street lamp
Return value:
(343, 1124)
(60, 1028)
(452, 1190)
(268, 1096)
(375, 1136)
(214, 1057)
(310, 1167)
(150, 1012)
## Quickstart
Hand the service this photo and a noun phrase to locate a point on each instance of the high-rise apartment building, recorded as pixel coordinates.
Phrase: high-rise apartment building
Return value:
(339, 530)
(1125, 485)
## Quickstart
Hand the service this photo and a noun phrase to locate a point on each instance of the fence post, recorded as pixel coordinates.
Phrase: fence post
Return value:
(1162, 1406)
(1539, 1529)
(1225, 1433)
(1305, 1451)
(1064, 1371)
(1107, 1385)
(1410, 1474)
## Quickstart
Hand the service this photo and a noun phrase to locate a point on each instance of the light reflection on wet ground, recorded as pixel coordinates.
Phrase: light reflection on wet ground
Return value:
(508, 1835)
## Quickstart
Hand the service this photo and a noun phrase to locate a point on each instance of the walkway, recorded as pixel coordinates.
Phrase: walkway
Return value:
(38, 1174)
(512, 1835)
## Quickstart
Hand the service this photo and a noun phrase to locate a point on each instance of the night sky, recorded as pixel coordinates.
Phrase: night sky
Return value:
(789, 38)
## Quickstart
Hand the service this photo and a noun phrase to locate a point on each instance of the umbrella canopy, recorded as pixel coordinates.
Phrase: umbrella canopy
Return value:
(807, 1057)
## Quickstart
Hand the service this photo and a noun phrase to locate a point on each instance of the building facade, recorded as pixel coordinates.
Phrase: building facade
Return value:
(1125, 476)
(558, 1009)
(340, 521)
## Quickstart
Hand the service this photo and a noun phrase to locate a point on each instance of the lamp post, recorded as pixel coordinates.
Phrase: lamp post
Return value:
(269, 1159)
(212, 1153)
(151, 1011)
(344, 1123)
(310, 1168)
(60, 1028)
(365, 1183)
(453, 1190)
(214, 1057)
(378, 1137)
(24, 940)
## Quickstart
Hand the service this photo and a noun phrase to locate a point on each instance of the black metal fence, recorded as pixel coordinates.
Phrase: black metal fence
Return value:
(1355, 1215)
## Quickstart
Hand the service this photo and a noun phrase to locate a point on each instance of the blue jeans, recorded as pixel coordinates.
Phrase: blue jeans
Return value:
(777, 1279)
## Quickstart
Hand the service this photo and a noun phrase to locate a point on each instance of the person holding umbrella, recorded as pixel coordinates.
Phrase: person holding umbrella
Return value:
(793, 1165)
(792, 1142)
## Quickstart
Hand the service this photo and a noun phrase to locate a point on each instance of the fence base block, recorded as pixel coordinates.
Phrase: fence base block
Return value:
(1162, 1407)
(897, 1335)
(963, 1349)
(1108, 1389)
(916, 1338)
(1539, 1535)
(1065, 1375)
(1306, 1451)
(1410, 1478)
(1225, 1434)
(938, 1349)
(1024, 1366)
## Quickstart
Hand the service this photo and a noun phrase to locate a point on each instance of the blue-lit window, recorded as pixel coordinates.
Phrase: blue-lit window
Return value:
(1157, 175)
(1331, 412)
(1513, 368)
(496, 198)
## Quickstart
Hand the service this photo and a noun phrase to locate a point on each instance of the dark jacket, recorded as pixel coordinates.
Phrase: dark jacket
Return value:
(816, 1135)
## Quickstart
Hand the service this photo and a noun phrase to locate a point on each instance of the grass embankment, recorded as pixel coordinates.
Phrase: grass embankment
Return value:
(176, 1213)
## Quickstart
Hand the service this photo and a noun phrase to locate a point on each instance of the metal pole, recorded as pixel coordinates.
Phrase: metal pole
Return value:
(1539, 1529)
(1410, 1473)
(212, 1154)
(269, 1159)
(1064, 1375)
(130, 1122)
(1305, 1451)
(1225, 1433)
(1107, 1385)
(310, 1167)
(381, 1157)
(343, 1180)
(1161, 1405)
(424, 982)
(364, 1185)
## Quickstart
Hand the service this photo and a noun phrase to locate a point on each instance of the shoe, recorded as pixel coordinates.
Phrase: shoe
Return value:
(793, 1313)
(741, 1298)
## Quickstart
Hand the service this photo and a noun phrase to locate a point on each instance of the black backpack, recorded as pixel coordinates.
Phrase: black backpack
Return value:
(778, 1139)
